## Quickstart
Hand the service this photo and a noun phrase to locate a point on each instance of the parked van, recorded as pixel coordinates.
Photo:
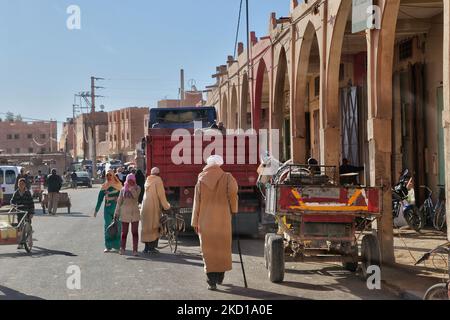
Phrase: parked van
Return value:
(8, 176)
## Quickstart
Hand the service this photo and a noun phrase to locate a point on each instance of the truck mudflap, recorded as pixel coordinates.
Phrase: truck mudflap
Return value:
(329, 199)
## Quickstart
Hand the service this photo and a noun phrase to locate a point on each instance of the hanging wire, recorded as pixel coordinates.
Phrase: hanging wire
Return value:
(237, 29)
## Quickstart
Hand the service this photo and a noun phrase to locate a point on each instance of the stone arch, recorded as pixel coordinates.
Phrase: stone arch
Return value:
(262, 97)
(281, 112)
(300, 152)
(223, 109)
(234, 108)
(245, 105)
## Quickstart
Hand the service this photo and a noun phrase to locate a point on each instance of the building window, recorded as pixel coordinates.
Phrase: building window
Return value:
(8, 151)
(9, 136)
(16, 136)
(43, 150)
(17, 150)
(43, 136)
(128, 136)
(405, 49)
(29, 136)
(115, 137)
(30, 150)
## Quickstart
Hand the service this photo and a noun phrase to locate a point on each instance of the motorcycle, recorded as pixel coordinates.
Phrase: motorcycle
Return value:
(404, 210)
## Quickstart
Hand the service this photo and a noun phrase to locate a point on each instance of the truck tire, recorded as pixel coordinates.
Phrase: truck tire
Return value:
(276, 258)
(370, 253)
(352, 266)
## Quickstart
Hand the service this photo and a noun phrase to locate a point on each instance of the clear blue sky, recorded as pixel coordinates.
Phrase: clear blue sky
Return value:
(42, 63)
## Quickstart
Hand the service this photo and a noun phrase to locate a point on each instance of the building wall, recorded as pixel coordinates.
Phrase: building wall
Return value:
(67, 141)
(82, 124)
(28, 137)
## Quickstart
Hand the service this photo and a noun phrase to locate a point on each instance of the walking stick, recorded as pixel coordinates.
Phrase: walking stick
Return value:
(240, 255)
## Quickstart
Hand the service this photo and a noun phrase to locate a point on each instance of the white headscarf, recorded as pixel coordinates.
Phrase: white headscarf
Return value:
(215, 160)
(155, 171)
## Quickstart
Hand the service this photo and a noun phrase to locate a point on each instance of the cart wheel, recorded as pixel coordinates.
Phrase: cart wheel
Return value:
(266, 249)
(352, 266)
(370, 253)
(27, 237)
(275, 253)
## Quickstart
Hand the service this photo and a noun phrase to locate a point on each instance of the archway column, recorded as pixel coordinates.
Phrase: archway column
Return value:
(380, 45)
(446, 115)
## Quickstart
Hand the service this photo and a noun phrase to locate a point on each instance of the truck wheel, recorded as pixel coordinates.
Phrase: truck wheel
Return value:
(352, 266)
(266, 249)
(370, 253)
(276, 258)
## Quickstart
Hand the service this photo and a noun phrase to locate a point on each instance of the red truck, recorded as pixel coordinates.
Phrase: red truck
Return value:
(177, 142)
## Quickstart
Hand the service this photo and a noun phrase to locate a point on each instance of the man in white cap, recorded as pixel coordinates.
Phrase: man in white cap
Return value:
(154, 200)
(216, 199)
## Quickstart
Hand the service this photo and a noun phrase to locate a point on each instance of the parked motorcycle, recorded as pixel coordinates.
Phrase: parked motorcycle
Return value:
(404, 209)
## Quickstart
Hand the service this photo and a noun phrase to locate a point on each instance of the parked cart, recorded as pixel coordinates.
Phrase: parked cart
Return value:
(318, 220)
(63, 201)
(14, 232)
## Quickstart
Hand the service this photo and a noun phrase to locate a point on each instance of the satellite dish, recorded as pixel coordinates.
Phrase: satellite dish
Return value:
(102, 107)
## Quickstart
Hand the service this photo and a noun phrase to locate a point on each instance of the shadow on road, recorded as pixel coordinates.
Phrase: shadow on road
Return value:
(10, 294)
(256, 294)
(38, 252)
(171, 258)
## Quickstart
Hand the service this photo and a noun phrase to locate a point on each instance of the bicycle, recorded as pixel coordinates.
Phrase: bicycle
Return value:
(171, 225)
(435, 212)
(24, 230)
(439, 291)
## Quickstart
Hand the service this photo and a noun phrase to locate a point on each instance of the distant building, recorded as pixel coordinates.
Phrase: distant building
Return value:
(192, 98)
(20, 137)
(125, 131)
(67, 139)
(82, 126)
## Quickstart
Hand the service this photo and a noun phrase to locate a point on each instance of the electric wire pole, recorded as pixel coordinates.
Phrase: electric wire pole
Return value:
(94, 138)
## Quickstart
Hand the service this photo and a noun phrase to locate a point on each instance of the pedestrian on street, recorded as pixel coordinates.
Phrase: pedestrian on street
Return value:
(154, 200)
(140, 181)
(74, 179)
(110, 193)
(127, 211)
(216, 199)
(23, 199)
(54, 184)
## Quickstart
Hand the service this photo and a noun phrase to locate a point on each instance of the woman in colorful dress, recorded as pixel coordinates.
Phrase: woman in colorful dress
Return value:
(110, 193)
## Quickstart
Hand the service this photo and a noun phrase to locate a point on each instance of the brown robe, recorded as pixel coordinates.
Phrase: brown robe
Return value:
(154, 199)
(216, 199)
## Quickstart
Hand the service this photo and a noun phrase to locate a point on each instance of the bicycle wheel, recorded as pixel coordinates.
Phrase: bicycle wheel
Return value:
(437, 292)
(172, 238)
(27, 236)
(440, 218)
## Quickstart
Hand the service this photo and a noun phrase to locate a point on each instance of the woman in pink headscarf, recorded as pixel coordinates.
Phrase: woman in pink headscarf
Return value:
(128, 211)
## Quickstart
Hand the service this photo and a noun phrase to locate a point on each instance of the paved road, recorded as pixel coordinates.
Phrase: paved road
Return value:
(77, 239)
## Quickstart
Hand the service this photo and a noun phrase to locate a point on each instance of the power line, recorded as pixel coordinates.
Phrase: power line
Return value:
(237, 29)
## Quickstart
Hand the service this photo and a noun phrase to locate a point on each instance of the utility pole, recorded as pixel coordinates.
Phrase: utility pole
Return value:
(94, 139)
(249, 64)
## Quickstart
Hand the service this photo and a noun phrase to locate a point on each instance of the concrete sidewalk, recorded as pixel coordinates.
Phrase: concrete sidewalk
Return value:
(404, 278)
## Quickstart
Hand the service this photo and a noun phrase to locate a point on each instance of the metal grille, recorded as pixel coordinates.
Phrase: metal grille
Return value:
(350, 124)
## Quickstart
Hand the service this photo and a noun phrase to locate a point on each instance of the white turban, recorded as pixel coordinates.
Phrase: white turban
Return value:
(155, 171)
(215, 160)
